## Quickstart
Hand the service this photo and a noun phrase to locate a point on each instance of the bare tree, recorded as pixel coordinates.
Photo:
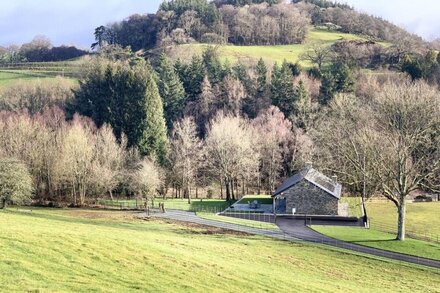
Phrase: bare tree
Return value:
(146, 179)
(317, 54)
(406, 120)
(345, 146)
(108, 159)
(230, 150)
(274, 137)
(186, 153)
(389, 143)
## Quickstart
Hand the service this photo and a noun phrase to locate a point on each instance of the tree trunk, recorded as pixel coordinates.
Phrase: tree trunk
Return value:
(111, 194)
(401, 220)
(221, 189)
(232, 189)
(4, 204)
(228, 191)
(197, 192)
(188, 194)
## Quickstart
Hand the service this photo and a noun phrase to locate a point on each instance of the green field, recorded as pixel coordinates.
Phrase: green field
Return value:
(205, 205)
(243, 222)
(11, 77)
(382, 240)
(422, 218)
(89, 251)
(262, 199)
(270, 54)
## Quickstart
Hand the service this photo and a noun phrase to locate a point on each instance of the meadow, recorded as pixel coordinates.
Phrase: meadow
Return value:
(74, 250)
(270, 54)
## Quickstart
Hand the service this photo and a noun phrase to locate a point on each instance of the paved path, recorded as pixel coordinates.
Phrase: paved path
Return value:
(193, 218)
(297, 229)
(291, 229)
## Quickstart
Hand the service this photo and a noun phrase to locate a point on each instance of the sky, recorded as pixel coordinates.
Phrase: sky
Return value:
(72, 22)
(69, 22)
(417, 16)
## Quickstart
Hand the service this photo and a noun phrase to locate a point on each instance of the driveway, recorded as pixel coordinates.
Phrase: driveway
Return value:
(193, 218)
(297, 229)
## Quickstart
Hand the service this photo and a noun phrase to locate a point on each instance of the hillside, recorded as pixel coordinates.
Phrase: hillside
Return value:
(270, 54)
(85, 250)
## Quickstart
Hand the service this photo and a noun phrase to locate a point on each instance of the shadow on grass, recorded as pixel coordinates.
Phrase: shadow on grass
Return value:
(100, 222)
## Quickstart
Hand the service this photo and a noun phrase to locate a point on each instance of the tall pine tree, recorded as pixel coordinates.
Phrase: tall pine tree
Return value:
(125, 96)
(171, 90)
(283, 89)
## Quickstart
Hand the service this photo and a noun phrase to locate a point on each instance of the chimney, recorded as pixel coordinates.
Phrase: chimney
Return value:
(335, 178)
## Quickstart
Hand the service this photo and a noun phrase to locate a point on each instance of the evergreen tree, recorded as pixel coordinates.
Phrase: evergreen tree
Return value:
(171, 90)
(327, 89)
(195, 74)
(261, 71)
(344, 81)
(338, 79)
(412, 67)
(154, 135)
(283, 90)
(213, 65)
(125, 96)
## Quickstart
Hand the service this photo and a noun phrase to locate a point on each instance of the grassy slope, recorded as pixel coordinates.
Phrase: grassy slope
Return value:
(83, 251)
(270, 54)
(421, 217)
(382, 240)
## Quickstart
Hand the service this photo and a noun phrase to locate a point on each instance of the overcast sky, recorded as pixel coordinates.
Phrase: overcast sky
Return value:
(73, 21)
(418, 16)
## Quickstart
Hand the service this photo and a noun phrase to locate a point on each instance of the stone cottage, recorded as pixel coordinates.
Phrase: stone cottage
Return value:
(308, 192)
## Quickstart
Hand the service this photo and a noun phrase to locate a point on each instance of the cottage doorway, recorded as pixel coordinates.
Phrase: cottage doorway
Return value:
(280, 205)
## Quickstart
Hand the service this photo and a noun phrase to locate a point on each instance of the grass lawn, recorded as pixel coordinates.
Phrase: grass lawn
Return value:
(94, 251)
(382, 240)
(354, 206)
(422, 218)
(205, 205)
(262, 199)
(243, 222)
(270, 54)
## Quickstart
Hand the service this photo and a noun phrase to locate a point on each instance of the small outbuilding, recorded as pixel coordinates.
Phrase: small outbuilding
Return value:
(309, 192)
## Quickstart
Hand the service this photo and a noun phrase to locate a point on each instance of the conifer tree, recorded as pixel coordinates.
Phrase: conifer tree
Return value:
(194, 79)
(125, 96)
(283, 90)
(261, 70)
(154, 135)
(171, 90)
(213, 66)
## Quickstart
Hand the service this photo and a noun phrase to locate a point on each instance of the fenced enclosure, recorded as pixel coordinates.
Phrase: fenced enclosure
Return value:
(43, 69)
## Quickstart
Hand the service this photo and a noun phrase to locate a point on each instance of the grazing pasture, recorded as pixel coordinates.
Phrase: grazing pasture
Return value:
(74, 250)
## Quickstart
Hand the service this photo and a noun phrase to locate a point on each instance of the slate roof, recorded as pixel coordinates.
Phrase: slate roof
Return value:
(315, 177)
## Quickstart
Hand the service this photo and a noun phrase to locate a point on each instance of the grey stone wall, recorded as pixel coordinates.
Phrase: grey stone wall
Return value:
(309, 199)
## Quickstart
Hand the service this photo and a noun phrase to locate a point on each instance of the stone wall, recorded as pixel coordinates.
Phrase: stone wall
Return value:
(309, 199)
